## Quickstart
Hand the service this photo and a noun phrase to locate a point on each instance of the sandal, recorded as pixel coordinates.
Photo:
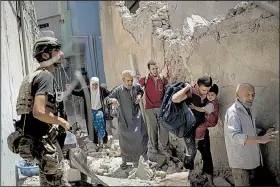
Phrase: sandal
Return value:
(123, 166)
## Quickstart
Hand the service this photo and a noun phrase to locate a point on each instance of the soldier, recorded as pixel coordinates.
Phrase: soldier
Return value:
(38, 103)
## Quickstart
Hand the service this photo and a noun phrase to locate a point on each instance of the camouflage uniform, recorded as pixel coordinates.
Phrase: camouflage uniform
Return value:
(39, 140)
(49, 157)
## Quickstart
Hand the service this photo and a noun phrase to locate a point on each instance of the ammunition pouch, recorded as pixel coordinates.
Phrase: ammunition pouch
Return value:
(27, 148)
(13, 141)
(14, 138)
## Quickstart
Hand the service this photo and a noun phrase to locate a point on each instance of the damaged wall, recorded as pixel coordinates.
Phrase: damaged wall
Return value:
(209, 10)
(118, 43)
(240, 47)
(12, 72)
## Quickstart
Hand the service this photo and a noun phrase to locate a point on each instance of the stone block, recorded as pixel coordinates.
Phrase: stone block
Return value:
(73, 175)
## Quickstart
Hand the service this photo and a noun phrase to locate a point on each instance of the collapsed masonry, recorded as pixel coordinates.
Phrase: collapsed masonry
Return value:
(181, 48)
(233, 48)
(180, 43)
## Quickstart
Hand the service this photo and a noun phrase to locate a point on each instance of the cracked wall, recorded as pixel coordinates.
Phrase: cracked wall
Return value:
(241, 46)
(12, 72)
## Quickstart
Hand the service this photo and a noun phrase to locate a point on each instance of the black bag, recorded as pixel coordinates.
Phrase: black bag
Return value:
(108, 112)
(177, 118)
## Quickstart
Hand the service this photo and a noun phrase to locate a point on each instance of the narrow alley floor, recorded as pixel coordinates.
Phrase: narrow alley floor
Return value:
(105, 162)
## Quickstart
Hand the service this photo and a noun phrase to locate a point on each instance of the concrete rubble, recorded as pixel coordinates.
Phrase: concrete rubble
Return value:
(106, 164)
(178, 46)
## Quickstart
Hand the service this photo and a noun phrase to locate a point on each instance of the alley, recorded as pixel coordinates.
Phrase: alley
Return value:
(119, 59)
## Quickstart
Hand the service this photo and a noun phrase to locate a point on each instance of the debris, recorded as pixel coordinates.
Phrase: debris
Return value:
(171, 169)
(143, 171)
(161, 160)
(219, 181)
(176, 179)
(31, 181)
(160, 174)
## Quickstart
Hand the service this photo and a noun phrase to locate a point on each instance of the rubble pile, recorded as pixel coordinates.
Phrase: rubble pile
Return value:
(107, 162)
(241, 7)
(29, 181)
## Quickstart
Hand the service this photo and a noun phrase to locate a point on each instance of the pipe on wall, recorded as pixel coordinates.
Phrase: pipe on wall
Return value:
(95, 55)
(23, 37)
(268, 6)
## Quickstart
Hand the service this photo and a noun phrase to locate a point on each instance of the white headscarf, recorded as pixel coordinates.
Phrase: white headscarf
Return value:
(95, 94)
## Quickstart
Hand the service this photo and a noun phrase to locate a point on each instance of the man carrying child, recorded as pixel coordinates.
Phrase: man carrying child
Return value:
(196, 96)
(211, 113)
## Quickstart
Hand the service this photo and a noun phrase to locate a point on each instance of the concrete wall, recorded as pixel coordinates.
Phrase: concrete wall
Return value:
(54, 25)
(119, 43)
(207, 9)
(12, 72)
(243, 47)
(49, 12)
(46, 9)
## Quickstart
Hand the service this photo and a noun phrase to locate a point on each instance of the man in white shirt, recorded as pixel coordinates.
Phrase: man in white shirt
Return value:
(241, 139)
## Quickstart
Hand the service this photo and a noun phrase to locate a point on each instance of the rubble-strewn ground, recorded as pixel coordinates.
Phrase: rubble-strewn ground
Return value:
(106, 162)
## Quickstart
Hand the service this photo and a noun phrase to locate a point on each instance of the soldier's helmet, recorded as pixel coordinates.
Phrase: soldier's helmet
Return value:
(45, 44)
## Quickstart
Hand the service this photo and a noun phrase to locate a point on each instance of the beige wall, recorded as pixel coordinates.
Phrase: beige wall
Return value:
(12, 73)
(118, 44)
(244, 48)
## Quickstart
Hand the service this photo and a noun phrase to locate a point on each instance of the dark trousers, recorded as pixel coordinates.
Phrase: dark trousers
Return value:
(203, 147)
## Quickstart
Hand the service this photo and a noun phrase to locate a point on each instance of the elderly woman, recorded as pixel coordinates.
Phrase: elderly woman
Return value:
(97, 95)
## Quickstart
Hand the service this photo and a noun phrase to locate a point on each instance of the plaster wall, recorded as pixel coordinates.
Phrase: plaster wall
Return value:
(12, 72)
(46, 9)
(240, 47)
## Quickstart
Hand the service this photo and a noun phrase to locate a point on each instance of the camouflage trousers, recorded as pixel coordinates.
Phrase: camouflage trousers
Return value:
(49, 156)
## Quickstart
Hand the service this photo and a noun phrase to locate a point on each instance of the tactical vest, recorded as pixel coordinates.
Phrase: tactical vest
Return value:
(25, 100)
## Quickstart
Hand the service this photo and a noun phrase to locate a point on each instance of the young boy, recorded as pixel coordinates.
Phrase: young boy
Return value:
(211, 113)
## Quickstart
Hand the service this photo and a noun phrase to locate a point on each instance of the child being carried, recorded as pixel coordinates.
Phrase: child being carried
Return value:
(211, 113)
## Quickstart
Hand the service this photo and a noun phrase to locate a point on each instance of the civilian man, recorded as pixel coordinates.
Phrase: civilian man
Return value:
(154, 85)
(242, 141)
(196, 95)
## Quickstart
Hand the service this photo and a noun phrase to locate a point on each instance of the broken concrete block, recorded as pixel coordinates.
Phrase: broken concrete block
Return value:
(143, 171)
(123, 174)
(100, 171)
(161, 160)
(73, 175)
(180, 165)
(96, 154)
(157, 23)
(132, 173)
(170, 163)
(219, 181)
(171, 169)
(152, 165)
(90, 146)
(164, 168)
(105, 166)
(164, 22)
(155, 18)
(106, 174)
(240, 10)
(160, 174)
(232, 12)
(176, 179)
